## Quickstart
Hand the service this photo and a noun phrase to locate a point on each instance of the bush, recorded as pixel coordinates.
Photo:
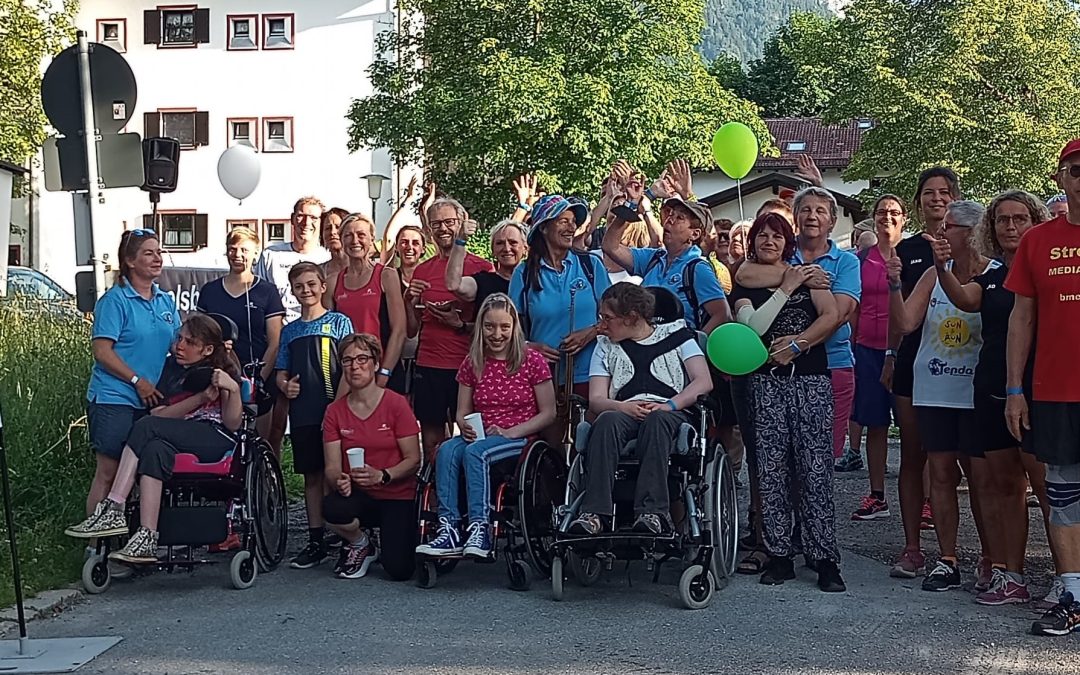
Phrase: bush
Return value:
(45, 364)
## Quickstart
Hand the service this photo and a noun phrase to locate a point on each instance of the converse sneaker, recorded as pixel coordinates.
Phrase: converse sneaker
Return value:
(107, 520)
(357, 560)
(479, 544)
(944, 577)
(1052, 597)
(870, 508)
(1004, 589)
(586, 523)
(911, 564)
(140, 549)
(446, 543)
(1062, 619)
(313, 554)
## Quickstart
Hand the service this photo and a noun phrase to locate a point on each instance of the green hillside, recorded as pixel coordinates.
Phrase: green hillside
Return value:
(741, 27)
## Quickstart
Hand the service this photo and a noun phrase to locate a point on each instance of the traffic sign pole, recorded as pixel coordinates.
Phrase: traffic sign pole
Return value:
(94, 194)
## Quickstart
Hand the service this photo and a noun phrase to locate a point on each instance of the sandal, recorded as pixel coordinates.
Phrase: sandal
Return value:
(753, 563)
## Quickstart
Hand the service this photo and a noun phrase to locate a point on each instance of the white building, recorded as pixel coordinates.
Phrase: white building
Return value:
(278, 76)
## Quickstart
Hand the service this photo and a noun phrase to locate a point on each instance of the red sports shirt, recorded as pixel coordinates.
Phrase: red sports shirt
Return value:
(440, 345)
(378, 435)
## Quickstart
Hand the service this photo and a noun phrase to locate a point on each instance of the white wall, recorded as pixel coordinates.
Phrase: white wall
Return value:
(313, 83)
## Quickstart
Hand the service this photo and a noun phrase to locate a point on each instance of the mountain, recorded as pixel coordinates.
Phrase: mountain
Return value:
(741, 27)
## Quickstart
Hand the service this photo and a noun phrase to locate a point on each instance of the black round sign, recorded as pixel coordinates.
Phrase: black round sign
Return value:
(111, 81)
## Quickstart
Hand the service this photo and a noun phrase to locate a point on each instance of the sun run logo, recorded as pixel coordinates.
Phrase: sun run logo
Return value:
(937, 367)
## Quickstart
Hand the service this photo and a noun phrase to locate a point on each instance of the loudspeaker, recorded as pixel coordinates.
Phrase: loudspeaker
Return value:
(161, 164)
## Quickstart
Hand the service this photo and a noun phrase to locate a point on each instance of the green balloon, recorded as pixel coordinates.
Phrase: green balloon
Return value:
(735, 148)
(735, 349)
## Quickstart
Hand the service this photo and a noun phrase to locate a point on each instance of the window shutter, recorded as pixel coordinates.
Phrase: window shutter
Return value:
(202, 26)
(148, 222)
(151, 27)
(199, 237)
(151, 124)
(202, 128)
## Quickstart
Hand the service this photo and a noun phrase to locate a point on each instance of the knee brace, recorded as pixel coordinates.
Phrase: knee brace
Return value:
(1063, 494)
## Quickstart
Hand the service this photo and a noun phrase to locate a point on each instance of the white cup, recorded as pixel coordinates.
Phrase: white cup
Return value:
(356, 458)
(476, 422)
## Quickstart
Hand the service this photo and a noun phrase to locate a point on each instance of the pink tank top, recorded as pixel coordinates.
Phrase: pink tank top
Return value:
(362, 304)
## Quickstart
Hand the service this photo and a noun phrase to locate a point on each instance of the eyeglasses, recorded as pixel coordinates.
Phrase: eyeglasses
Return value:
(605, 318)
(362, 360)
(1019, 219)
(1073, 170)
(449, 222)
(892, 213)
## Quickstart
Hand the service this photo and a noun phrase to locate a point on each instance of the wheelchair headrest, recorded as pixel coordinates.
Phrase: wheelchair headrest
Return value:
(229, 331)
(197, 379)
(668, 306)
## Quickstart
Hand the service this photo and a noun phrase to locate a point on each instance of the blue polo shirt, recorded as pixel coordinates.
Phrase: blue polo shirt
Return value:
(705, 284)
(142, 332)
(843, 266)
(549, 321)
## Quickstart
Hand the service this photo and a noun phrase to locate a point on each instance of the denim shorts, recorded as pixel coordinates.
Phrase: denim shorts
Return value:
(109, 425)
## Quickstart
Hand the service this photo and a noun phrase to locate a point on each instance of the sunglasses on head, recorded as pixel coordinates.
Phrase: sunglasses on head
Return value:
(140, 232)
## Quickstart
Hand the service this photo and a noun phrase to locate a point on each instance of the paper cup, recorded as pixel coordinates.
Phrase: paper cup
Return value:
(476, 422)
(356, 458)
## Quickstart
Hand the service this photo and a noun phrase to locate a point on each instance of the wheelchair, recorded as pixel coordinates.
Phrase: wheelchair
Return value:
(203, 503)
(526, 490)
(701, 483)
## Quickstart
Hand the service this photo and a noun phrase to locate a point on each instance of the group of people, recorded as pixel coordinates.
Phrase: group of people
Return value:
(952, 332)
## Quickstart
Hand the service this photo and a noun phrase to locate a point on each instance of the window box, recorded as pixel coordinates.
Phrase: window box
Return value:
(176, 26)
(277, 134)
(242, 31)
(279, 31)
(243, 130)
(274, 231)
(190, 127)
(113, 33)
(179, 230)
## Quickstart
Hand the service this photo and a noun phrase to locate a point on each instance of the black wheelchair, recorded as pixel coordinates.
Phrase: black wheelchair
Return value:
(701, 483)
(203, 504)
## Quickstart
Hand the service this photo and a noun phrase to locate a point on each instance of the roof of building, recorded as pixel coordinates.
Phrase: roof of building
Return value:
(831, 146)
(13, 168)
(778, 182)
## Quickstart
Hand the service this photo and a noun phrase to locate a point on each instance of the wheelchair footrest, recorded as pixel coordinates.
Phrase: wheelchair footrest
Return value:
(192, 525)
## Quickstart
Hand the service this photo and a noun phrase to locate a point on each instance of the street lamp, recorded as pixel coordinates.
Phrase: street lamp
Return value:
(374, 189)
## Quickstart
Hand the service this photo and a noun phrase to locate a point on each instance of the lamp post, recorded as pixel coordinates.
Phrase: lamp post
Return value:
(374, 189)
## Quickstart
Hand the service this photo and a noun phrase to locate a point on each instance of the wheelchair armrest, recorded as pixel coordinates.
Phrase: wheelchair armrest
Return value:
(581, 436)
(686, 438)
(579, 401)
(709, 403)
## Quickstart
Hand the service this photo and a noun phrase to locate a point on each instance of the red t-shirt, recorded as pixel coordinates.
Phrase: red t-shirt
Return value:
(378, 435)
(362, 304)
(1047, 268)
(440, 345)
(502, 399)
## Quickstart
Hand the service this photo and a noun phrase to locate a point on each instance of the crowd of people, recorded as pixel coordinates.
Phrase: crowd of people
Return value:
(945, 317)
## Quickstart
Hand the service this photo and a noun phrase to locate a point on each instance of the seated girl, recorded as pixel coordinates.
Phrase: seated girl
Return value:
(200, 422)
(642, 379)
(509, 386)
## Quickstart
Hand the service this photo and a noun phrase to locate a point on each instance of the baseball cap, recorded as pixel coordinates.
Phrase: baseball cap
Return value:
(698, 210)
(1071, 148)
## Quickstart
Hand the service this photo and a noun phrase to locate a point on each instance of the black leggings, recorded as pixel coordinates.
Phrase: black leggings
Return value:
(156, 440)
(395, 518)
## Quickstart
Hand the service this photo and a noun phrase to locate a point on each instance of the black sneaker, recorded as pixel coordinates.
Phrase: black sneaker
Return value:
(778, 570)
(357, 560)
(1062, 619)
(313, 554)
(343, 553)
(333, 540)
(944, 577)
(653, 523)
(828, 577)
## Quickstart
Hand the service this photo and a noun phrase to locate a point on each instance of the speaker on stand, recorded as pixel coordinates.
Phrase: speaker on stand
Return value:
(161, 165)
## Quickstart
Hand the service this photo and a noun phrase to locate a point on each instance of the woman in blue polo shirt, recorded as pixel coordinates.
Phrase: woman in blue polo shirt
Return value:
(135, 323)
(554, 279)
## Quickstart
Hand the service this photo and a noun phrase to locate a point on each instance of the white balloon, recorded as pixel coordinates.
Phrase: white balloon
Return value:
(239, 170)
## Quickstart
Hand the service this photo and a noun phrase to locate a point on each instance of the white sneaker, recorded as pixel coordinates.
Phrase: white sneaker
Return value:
(1051, 599)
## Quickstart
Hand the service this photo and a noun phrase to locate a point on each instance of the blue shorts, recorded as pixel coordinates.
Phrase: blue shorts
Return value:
(109, 425)
(873, 402)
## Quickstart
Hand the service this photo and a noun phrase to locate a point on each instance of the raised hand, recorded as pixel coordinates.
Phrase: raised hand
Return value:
(525, 189)
(410, 190)
(662, 187)
(941, 248)
(622, 172)
(466, 228)
(893, 268)
(678, 171)
(806, 169)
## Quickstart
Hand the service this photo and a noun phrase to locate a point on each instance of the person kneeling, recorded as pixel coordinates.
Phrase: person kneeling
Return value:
(201, 423)
(377, 429)
(508, 387)
(642, 379)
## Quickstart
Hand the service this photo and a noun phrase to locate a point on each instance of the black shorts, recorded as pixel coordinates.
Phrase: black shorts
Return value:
(435, 395)
(903, 379)
(401, 379)
(991, 431)
(395, 518)
(307, 449)
(1055, 432)
(948, 430)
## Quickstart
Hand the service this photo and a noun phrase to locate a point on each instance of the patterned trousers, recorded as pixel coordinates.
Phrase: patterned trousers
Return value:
(793, 418)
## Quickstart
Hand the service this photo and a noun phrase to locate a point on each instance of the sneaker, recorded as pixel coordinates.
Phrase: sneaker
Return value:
(479, 544)
(586, 523)
(343, 553)
(829, 579)
(107, 520)
(357, 560)
(1004, 590)
(1033, 500)
(927, 522)
(333, 540)
(870, 508)
(447, 541)
(986, 575)
(1051, 599)
(778, 570)
(944, 577)
(911, 564)
(313, 554)
(652, 523)
(140, 549)
(231, 543)
(851, 461)
(1062, 619)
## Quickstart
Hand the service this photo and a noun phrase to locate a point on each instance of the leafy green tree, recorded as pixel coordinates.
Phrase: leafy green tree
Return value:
(778, 81)
(30, 30)
(482, 91)
(729, 73)
(740, 27)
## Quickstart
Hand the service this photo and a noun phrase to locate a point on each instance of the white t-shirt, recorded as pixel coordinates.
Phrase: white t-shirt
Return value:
(274, 265)
(610, 360)
(623, 275)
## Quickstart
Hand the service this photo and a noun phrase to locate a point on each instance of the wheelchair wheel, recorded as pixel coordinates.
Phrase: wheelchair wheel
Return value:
(696, 587)
(95, 574)
(541, 487)
(722, 512)
(556, 578)
(268, 507)
(586, 570)
(243, 570)
(519, 574)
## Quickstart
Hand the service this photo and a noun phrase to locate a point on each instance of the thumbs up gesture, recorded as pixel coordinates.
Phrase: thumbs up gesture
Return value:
(941, 248)
(292, 387)
(893, 267)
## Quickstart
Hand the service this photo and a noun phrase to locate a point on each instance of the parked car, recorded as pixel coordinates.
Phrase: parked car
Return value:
(30, 283)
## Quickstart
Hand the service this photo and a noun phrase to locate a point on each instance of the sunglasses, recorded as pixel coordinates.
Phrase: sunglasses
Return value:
(1073, 170)
(139, 232)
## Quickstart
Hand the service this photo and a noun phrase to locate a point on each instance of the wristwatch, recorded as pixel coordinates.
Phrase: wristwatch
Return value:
(385, 372)
(385, 477)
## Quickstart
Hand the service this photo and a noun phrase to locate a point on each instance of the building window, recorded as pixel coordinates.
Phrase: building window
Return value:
(14, 257)
(278, 31)
(274, 230)
(795, 146)
(179, 230)
(190, 127)
(244, 130)
(252, 225)
(243, 31)
(113, 33)
(277, 134)
(866, 124)
(176, 26)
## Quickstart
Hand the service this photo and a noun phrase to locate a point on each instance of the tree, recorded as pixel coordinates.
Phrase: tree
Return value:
(30, 31)
(778, 82)
(729, 73)
(485, 90)
(990, 88)
(740, 27)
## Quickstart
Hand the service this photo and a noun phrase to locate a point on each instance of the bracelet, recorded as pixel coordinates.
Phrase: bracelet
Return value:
(1014, 391)
(134, 379)
(795, 348)
(524, 207)
(460, 242)
(650, 194)
(691, 197)
(384, 372)
(894, 287)
(890, 353)
(671, 404)
(633, 206)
